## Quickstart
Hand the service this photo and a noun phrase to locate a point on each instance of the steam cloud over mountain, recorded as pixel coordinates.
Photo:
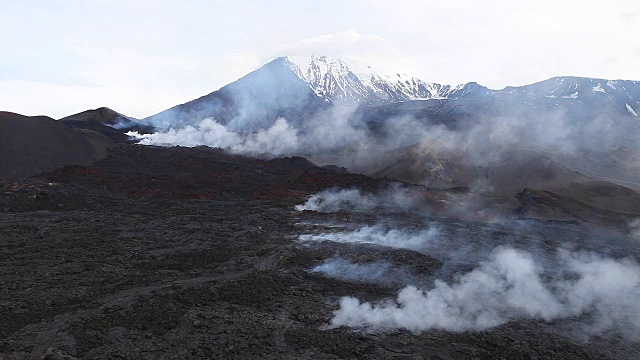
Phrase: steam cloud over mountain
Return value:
(279, 139)
(335, 111)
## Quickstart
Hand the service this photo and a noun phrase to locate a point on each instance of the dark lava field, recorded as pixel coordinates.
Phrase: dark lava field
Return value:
(193, 253)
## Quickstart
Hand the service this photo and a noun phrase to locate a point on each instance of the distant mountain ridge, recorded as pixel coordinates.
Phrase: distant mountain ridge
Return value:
(297, 87)
(624, 95)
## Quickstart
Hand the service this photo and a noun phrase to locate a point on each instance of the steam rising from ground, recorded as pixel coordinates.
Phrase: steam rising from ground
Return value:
(599, 293)
(396, 197)
(381, 235)
(634, 226)
(278, 139)
(509, 286)
(382, 272)
(329, 130)
(332, 200)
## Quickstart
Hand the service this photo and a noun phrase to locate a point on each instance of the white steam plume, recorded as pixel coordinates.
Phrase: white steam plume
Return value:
(382, 236)
(510, 286)
(395, 197)
(634, 227)
(279, 139)
(420, 150)
(333, 200)
(327, 131)
(381, 272)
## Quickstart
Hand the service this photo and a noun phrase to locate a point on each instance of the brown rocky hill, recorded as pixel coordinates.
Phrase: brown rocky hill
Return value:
(107, 122)
(33, 144)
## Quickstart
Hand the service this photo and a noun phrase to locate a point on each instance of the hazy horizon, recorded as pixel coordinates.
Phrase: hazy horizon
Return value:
(143, 57)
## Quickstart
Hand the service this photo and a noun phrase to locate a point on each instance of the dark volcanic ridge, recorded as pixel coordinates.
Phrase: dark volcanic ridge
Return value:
(107, 122)
(30, 145)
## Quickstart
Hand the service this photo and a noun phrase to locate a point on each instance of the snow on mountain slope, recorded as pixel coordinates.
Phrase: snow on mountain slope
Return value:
(297, 87)
(582, 97)
(339, 80)
(577, 88)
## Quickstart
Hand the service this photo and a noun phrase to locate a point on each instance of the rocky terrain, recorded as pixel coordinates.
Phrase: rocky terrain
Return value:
(193, 253)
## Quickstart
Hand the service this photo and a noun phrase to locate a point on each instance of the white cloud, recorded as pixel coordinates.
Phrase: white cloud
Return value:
(151, 55)
(513, 43)
(135, 84)
(367, 48)
(39, 98)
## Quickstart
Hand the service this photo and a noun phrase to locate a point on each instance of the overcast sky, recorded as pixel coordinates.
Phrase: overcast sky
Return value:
(60, 57)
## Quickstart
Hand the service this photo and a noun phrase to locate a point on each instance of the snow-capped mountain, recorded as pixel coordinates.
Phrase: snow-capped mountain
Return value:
(294, 87)
(623, 95)
(298, 87)
(572, 87)
(340, 80)
(252, 102)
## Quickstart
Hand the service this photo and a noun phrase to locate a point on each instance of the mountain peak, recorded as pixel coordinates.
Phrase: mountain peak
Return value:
(345, 80)
(102, 115)
(358, 67)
